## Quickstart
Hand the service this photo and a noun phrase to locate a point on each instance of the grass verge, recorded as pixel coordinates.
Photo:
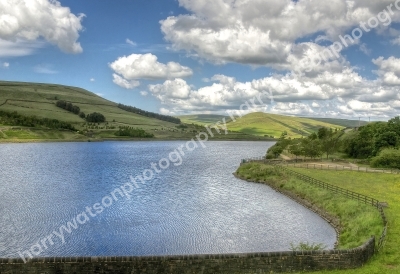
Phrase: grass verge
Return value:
(384, 187)
(357, 220)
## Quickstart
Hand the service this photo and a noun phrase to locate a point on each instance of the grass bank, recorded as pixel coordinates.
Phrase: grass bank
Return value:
(384, 187)
(357, 221)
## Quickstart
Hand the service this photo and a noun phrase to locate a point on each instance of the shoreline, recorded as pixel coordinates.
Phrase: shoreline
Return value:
(28, 141)
(331, 220)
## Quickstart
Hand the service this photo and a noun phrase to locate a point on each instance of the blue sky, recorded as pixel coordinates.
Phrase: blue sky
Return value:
(204, 56)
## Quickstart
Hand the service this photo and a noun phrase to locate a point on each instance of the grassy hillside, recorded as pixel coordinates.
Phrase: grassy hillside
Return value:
(203, 119)
(340, 122)
(274, 125)
(40, 100)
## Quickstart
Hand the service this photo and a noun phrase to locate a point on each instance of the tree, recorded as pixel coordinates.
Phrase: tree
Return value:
(75, 109)
(311, 147)
(386, 140)
(95, 117)
(296, 149)
(388, 157)
(323, 132)
(133, 132)
(150, 114)
(329, 140)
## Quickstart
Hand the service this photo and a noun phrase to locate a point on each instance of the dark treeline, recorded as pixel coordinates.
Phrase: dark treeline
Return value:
(71, 108)
(377, 142)
(150, 114)
(15, 119)
(68, 106)
(133, 132)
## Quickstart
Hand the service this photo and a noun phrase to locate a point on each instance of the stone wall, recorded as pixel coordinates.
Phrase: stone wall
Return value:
(268, 262)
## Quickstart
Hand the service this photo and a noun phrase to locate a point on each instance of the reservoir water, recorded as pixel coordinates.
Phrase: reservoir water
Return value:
(196, 207)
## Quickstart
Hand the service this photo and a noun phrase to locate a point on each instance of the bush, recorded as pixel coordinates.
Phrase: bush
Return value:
(133, 132)
(388, 157)
(95, 117)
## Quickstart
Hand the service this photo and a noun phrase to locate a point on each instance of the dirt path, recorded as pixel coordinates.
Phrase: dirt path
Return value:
(284, 157)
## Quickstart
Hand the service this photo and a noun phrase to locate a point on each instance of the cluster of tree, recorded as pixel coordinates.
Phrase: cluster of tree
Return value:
(70, 107)
(370, 139)
(133, 132)
(95, 117)
(387, 157)
(377, 142)
(15, 119)
(325, 141)
(150, 114)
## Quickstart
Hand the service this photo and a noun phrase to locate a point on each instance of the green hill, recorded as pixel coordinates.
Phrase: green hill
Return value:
(35, 99)
(340, 122)
(40, 99)
(274, 125)
(202, 119)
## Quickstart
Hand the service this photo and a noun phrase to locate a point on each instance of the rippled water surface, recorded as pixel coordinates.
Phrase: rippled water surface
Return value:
(197, 207)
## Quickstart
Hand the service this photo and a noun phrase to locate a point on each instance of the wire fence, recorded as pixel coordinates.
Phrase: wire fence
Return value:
(282, 165)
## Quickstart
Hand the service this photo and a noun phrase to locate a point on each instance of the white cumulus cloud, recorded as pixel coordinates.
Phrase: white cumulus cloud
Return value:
(146, 66)
(127, 84)
(24, 21)
(388, 70)
(171, 89)
(261, 32)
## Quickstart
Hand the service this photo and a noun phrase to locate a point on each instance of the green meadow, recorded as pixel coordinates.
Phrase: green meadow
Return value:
(274, 125)
(359, 221)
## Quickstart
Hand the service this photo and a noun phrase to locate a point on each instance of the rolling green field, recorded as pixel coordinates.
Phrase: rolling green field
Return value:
(39, 99)
(273, 125)
(384, 187)
(340, 122)
(203, 119)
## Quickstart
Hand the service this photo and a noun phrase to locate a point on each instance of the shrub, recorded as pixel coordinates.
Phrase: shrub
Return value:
(388, 157)
(306, 247)
(133, 132)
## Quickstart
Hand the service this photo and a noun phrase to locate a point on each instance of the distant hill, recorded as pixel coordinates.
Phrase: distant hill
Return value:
(36, 99)
(39, 99)
(340, 122)
(274, 125)
(202, 119)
